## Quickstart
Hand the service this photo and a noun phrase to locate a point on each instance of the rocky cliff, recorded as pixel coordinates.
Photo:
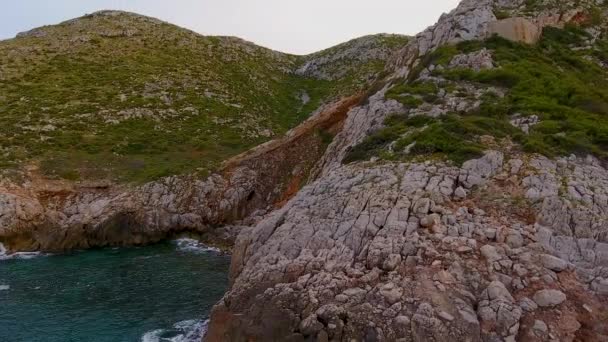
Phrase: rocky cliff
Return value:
(56, 215)
(465, 200)
(123, 129)
(460, 194)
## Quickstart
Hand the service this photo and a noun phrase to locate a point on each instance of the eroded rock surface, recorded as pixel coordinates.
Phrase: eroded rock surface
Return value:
(41, 214)
(510, 246)
(391, 251)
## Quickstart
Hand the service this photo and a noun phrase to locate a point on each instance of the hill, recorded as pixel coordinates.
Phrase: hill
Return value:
(115, 95)
(465, 200)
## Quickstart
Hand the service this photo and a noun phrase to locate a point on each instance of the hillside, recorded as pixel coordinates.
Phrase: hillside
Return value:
(549, 98)
(454, 186)
(354, 62)
(465, 200)
(115, 95)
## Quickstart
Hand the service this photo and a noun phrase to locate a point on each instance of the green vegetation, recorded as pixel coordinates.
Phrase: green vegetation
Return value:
(352, 63)
(414, 94)
(501, 14)
(132, 99)
(565, 87)
(452, 136)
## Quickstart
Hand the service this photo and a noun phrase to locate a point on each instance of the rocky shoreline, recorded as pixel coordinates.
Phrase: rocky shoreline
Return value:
(374, 250)
(55, 215)
(509, 246)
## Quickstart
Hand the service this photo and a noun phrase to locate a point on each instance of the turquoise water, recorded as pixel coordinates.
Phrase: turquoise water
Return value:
(156, 293)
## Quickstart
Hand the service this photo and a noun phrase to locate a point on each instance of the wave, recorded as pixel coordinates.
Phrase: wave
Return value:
(4, 287)
(19, 255)
(184, 331)
(194, 246)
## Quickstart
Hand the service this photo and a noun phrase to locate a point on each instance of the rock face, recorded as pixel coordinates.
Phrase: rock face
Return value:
(475, 19)
(468, 21)
(506, 247)
(365, 247)
(56, 215)
(516, 29)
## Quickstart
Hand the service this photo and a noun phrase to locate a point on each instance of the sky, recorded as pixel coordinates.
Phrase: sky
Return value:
(298, 27)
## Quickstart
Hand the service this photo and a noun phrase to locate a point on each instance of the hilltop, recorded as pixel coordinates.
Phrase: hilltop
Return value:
(120, 96)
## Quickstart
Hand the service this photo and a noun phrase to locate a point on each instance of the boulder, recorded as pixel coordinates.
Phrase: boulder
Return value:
(548, 298)
(553, 263)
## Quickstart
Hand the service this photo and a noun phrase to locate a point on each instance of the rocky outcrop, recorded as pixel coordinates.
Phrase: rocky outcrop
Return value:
(68, 216)
(509, 246)
(475, 20)
(56, 215)
(516, 29)
(506, 247)
(529, 30)
(361, 120)
(339, 61)
(468, 21)
(392, 251)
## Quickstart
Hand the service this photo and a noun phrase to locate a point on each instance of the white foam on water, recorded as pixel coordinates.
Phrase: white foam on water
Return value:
(19, 255)
(152, 336)
(184, 331)
(4, 287)
(194, 246)
(192, 330)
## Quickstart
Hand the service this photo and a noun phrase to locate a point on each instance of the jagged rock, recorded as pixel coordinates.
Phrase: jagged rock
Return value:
(497, 310)
(467, 22)
(369, 216)
(403, 324)
(490, 253)
(430, 221)
(478, 170)
(514, 239)
(310, 325)
(600, 285)
(392, 262)
(479, 60)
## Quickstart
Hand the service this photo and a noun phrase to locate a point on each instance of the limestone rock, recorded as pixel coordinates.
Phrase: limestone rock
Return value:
(553, 263)
(546, 298)
(516, 29)
(479, 60)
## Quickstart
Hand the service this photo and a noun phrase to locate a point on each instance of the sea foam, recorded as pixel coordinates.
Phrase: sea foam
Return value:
(19, 255)
(194, 246)
(184, 331)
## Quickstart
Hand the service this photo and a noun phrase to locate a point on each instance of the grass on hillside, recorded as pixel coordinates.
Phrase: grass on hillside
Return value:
(165, 101)
(563, 86)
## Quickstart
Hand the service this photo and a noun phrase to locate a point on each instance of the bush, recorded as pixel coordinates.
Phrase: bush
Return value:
(568, 92)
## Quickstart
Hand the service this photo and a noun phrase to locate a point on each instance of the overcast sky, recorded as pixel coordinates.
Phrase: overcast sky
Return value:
(291, 26)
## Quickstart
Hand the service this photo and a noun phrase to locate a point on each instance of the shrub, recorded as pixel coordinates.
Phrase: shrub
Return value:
(568, 92)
